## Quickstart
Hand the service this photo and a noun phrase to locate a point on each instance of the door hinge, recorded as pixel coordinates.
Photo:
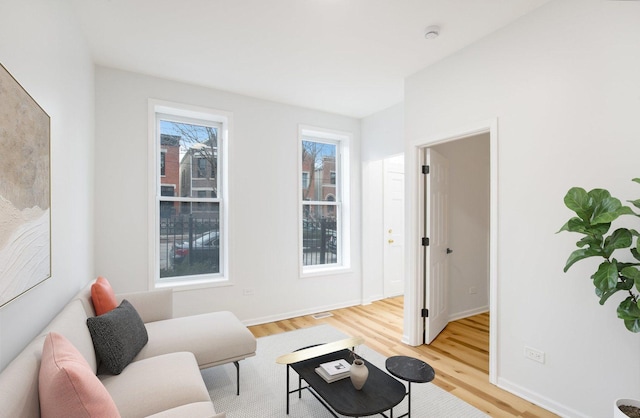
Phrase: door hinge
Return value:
(425, 169)
(424, 312)
(425, 242)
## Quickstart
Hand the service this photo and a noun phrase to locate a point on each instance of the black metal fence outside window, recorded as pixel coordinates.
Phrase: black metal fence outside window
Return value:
(189, 245)
(319, 242)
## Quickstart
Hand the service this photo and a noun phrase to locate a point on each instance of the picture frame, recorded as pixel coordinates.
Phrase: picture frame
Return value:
(25, 190)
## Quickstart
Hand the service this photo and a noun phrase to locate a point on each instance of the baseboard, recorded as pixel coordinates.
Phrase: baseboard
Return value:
(369, 300)
(302, 312)
(470, 312)
(542, 401)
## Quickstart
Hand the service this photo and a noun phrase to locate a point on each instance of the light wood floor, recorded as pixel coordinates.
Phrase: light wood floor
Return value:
(460, 354)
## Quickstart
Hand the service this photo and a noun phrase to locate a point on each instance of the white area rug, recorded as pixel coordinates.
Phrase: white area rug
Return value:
(263, 383)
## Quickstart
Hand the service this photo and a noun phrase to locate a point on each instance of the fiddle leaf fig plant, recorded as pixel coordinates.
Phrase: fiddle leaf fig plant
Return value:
(596, 211)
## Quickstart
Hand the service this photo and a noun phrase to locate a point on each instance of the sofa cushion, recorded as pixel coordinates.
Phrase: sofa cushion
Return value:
(196, 409)
(19, 383)
(67, 385)
(103, 296)
(71, 322)
(151, 305)
(118, 336)
(157, 384)
(214, 338)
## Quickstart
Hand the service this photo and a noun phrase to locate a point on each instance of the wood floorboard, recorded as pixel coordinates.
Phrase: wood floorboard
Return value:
(459, 355)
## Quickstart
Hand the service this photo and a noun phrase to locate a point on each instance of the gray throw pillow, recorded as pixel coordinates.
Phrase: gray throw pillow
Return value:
(118, 336)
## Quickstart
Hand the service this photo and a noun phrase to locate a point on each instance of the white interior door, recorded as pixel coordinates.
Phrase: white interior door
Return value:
(394, 226)
(437, 230)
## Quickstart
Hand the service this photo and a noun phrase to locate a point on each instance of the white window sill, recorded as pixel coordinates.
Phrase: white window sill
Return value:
(324, 271)
(185, 284)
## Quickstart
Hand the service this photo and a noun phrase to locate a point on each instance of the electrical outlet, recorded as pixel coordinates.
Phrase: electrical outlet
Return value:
(473, 290)
(533, 354)
(247, 292)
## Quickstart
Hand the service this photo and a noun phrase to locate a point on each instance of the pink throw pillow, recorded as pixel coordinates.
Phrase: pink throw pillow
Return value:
(67, 385)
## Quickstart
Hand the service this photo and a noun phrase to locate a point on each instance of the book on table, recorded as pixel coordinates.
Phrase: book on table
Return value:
(334, 370)
(330, 379)
(336, 367)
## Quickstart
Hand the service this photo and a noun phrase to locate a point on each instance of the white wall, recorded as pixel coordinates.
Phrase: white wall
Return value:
(563, 85)
(383, 133)
(41, 45)
(382, 137)
(263, 206)
(372, 231)
(468, 225)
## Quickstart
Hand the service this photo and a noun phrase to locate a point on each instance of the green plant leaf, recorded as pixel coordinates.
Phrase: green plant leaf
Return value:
(599, 229)
(608, 210)
(606, 278)
(598, 195)
(629, 312)
(626, 210)
(631, 277)
(582, 227)
(631, 273)
(628, 309)
(632, 325)
(581, 254)
(637, 180)
(574, 225)
(590, 241)
(620, 238)
(603, 295)
(578, 201)
(606, 295)
(635, 203)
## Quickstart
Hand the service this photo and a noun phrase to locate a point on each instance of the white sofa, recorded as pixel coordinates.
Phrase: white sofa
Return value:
(163, 380)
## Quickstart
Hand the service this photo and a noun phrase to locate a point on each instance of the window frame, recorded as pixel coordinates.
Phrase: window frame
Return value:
(197, 115)
(341, 201)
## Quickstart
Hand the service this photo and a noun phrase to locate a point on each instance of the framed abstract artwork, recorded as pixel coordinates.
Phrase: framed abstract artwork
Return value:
(25, 191)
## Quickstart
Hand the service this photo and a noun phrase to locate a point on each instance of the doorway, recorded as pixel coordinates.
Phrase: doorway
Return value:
(457, 204)
(418, 290)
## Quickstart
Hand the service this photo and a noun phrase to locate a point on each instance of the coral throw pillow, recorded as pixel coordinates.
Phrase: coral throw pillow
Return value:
(102, 296)
(67, 385)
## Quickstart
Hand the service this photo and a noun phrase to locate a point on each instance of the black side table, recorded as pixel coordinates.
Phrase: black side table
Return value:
(412, 370)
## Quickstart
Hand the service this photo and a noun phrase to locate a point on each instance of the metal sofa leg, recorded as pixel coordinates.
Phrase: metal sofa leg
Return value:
(237, 377)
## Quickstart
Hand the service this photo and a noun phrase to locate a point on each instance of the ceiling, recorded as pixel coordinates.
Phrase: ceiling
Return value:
(342, 56)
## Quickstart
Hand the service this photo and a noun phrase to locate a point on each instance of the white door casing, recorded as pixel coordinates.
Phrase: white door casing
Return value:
(437, 231)
(394, 270)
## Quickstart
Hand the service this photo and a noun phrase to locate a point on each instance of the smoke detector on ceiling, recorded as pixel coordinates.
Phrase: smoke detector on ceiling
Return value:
(432, 32)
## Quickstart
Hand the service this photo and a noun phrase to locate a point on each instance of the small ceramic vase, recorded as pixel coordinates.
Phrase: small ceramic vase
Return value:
(358, 374)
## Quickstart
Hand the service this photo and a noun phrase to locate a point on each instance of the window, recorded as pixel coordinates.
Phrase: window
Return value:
(189, 193)
(305, 179)
(324, 217)
(202, 168)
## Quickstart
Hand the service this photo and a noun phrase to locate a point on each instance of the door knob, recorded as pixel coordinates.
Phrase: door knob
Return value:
(449, 250)
(390, 241)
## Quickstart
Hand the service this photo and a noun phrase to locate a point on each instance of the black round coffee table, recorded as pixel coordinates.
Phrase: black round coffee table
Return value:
(412, 370)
